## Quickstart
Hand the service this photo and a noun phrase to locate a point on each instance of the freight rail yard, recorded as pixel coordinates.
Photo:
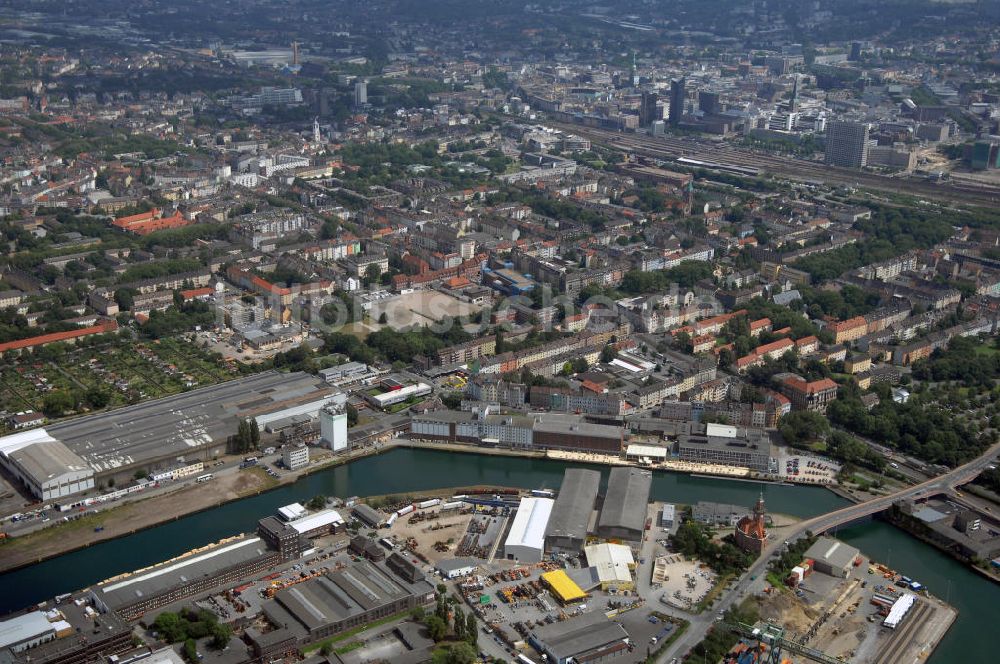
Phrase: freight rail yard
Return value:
(713, 156)
(589, 572)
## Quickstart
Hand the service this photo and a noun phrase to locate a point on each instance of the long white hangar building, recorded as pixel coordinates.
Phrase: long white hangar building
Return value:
(526, 540)
(48, 468)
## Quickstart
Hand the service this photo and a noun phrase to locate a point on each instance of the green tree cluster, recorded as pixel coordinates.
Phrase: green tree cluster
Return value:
(695, 540)
(189, 625)
(921, 427)
(685, 275)
(177, 319)
(300, 358)
(246, 438)
(719, 639)
(965, 359)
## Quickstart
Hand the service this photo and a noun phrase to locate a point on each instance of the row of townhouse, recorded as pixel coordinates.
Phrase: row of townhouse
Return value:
(468, 351)
(859, 326)
(712, 325)
(904, 330)
(659, 313)
(889, 269)
(593, 400)
(494, 389)
(909, 353)
(333, 250)
(515, 361)
(551, 366)
(775, 349)
(766, 414)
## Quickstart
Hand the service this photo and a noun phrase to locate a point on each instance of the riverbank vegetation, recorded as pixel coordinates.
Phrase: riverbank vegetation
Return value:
(948, 421)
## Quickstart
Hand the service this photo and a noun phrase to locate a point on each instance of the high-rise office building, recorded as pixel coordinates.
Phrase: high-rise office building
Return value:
(677, 95)
(361, 93)
(847, 144)
(647, 109)
(708, 102)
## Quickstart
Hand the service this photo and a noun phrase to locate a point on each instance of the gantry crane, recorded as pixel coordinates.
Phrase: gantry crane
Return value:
(773, 638)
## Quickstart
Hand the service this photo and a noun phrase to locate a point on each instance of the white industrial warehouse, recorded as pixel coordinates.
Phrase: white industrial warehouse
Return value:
(48, 468)
(526, 540)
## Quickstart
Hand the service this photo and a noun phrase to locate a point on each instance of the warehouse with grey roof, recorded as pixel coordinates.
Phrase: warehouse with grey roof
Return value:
(571, 513)
(347, 598)
(832, 556)
(131, 595)
(591, 637)
(194, 424)
(623, 515)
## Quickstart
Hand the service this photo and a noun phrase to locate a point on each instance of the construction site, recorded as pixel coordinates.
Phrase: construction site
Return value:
(844, 609)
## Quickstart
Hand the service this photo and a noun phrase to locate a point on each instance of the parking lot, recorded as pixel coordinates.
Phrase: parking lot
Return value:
(797, 467)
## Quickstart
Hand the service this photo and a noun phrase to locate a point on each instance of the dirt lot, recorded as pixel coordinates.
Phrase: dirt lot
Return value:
(685, 582)
(786, 609)
(448, 529)
(420, 308)
(132, 516)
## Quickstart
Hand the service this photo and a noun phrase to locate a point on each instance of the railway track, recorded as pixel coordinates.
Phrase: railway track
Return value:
(903, 636)
(669, 149)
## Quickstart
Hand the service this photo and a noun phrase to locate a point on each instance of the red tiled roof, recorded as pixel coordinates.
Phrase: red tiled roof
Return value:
(196, 292)
(848, 324)
(774, 345)
(42, 339)
(142, 216)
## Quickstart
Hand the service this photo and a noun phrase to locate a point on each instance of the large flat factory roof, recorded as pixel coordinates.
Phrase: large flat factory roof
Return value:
(575, 503)
(181, 423)
(341, 594)
(579, 635)
(186, 569)
(626, 500)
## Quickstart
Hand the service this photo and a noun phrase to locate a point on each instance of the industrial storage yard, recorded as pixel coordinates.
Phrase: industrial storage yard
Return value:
(842, 615)
(583, 573)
